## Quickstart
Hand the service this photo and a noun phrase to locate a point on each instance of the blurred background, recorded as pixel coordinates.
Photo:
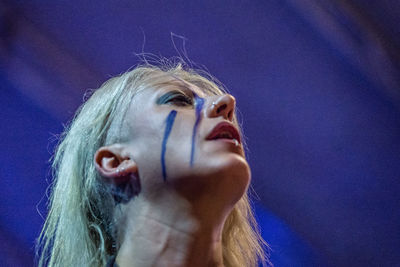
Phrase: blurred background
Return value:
(317, 86)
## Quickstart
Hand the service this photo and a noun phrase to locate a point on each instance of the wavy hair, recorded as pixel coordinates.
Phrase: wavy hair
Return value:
(78, 230)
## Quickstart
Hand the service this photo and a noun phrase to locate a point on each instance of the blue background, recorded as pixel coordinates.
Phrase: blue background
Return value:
(317, 86)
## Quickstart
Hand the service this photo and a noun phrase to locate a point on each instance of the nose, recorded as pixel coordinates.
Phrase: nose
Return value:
(223, 105)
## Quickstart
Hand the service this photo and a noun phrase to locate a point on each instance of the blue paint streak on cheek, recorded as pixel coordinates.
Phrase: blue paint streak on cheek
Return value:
(199, 103)
(169, 123)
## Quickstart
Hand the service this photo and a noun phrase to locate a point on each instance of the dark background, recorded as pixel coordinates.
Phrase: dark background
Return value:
(317, 84)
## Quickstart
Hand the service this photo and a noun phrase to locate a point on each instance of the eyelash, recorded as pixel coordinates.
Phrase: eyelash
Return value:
(179, 99)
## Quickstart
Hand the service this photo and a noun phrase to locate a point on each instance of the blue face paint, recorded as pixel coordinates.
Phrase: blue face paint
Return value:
(169, 123)
(199, 102)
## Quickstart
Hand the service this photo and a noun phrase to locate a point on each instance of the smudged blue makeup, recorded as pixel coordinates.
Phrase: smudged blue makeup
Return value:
(177, 98)
(168, 127)
(199, 103)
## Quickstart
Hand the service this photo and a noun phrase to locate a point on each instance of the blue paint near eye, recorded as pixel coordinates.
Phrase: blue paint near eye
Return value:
(169, 123)
(199, 102)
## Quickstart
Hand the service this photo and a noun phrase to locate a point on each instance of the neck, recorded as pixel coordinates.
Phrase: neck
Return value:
(167, 232)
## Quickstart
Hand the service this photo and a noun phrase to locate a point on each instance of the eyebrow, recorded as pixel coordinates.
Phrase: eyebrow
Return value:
(186, 90)
(176, 87)
(183, 85)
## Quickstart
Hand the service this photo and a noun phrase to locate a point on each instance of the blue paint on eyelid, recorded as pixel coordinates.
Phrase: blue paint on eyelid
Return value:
(169, 123)
(199, 102)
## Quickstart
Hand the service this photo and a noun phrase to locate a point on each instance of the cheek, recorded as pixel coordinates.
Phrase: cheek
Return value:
(145, 148)
(162, 149)
(178, 149)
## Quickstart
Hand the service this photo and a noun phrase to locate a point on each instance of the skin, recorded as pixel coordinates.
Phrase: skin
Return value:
(177, 222)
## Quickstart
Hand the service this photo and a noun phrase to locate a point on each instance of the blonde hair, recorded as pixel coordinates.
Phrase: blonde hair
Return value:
(78, 230)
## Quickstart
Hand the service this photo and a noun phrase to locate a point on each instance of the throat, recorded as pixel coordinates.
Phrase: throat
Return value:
(156, 237)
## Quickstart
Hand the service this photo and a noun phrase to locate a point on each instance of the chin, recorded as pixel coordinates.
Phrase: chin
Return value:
(223, 179)
(231, 177)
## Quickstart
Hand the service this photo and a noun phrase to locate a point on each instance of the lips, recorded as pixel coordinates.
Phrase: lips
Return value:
(224, 130)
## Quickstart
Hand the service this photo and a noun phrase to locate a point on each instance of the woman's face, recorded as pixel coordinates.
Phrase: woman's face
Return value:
(180, 137)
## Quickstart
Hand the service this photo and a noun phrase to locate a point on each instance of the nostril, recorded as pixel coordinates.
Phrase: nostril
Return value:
(230, 115)
(221, 108)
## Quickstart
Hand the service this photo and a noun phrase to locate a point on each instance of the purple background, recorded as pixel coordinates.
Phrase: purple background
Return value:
(317, 84)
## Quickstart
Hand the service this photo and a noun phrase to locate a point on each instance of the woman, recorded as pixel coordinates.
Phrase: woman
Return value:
(152, 172)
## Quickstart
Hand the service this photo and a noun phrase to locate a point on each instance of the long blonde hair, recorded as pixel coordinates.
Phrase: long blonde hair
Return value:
(78, 230)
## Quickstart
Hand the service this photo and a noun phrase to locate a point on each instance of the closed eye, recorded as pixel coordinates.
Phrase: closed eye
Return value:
(175, 98)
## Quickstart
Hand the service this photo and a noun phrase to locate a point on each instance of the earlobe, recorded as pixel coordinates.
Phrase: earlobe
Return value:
(119, 171)
(113, 166)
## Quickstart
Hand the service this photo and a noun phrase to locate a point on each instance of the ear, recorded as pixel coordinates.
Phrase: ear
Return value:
(114, 164)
